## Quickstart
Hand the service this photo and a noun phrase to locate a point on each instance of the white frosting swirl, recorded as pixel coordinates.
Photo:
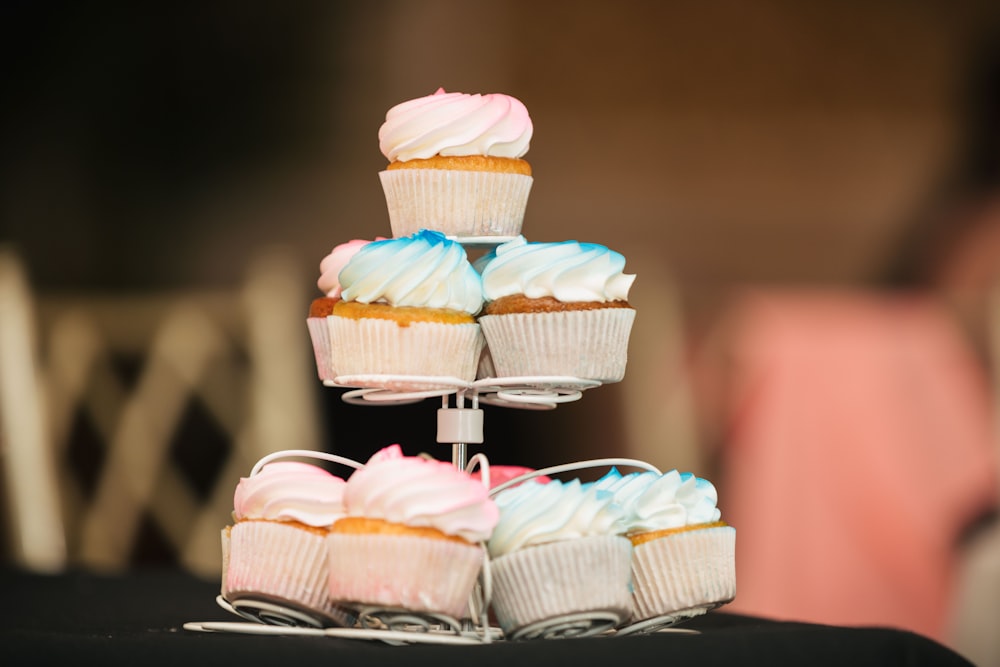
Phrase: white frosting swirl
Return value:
(535, 513)
(290, 491)
(570, 271)
(657, 502)
(425, 269)
(456, 124)
(419, 492)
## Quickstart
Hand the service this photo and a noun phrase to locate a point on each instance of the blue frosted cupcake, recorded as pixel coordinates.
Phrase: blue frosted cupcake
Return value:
(556, 309)
(684, 555)
(559, 562)
(407, 307)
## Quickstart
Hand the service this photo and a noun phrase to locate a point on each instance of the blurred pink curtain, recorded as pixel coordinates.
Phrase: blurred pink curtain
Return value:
(860, 446)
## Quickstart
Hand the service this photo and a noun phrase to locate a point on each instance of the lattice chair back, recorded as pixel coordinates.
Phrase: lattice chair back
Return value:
(138, 413)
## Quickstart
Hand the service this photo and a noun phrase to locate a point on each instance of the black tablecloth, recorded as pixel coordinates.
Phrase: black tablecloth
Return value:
(138, 619)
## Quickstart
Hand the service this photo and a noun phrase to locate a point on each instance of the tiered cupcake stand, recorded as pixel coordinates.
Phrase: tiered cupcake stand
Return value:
(460, 424)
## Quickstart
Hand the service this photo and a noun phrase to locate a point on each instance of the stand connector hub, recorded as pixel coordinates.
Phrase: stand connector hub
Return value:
(460, 425)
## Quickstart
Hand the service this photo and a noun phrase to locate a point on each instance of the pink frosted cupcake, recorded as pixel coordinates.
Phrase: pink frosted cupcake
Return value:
(321, 307)
(275, 564)
(456, 164)
(501, 474)
(556, 309)
(684, 556)
(412, 537)
(559, 563)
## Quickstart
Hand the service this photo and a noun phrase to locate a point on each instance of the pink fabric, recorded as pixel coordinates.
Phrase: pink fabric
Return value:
(861, 446)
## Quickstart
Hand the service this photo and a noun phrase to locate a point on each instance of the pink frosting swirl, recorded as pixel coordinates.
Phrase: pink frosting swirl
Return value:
(290, 491)
(456, 124)
(504, 473)
(330, 266)
(419, 492)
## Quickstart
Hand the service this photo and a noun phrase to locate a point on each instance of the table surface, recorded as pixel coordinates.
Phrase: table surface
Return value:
(138, 619)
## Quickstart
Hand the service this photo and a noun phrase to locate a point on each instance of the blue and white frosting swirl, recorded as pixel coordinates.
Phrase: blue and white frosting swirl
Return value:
(651, 501)
(569, 271)
(425, 269)
(536, 513)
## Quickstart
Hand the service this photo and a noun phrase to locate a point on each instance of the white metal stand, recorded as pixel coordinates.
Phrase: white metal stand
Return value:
(460, 425)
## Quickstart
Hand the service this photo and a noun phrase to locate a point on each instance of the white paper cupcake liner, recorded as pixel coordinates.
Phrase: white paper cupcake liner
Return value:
(374, 346)
(693, 568)
(276, 561)
(319, 333)
(400, 571)
(538, 583)
(589, 344)
(453, 202)
(485, 368)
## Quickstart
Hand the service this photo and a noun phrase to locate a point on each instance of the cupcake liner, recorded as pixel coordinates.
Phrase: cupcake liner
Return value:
(485, 369)
(453, 202)
(401, 571)
(693, 568)
(319, 333)
(538, 583)
(272, 560)
(224, 590)
(588, 344)
(374, 346)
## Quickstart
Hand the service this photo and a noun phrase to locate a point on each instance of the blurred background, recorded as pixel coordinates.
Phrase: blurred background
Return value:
(745, 157)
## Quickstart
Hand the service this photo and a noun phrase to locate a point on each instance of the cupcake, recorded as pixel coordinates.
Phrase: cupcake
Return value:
(408, 307)
(275, 564)
(684, 556)
(501, 474)
(321, 307)
(556, 309)
(412, 537)
(558, 561)
(455, 164)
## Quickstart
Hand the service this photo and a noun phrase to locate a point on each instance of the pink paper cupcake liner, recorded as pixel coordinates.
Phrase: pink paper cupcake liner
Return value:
(224, 591)
(400, 571)
(281, 562)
